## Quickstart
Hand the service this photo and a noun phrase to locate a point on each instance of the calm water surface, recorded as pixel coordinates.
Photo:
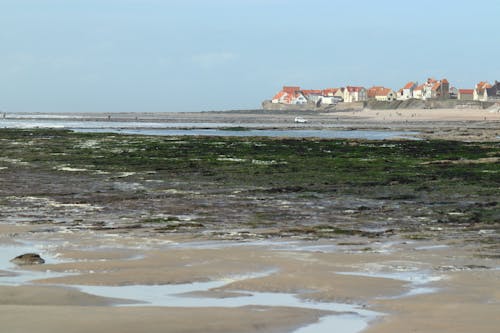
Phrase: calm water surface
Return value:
(199, 129)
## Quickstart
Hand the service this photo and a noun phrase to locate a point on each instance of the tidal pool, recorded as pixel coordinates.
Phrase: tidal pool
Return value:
(349, 318)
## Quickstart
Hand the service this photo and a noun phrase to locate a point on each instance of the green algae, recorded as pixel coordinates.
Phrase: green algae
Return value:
(442, 176)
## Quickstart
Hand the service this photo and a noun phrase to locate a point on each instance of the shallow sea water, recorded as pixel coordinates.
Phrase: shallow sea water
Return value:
(197, 129)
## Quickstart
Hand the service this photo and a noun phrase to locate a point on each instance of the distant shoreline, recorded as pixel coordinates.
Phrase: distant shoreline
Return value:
(449, 124)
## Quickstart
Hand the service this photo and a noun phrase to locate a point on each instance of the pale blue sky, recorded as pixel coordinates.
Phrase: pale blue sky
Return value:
(194, 55)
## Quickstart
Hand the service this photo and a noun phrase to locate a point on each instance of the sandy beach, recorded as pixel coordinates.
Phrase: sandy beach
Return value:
(464, 294)
(110, 267)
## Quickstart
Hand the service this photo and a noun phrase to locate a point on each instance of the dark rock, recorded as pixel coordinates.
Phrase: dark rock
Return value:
(28, 259)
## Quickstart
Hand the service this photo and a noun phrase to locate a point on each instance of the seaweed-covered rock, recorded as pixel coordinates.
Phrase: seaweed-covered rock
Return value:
(28, 259)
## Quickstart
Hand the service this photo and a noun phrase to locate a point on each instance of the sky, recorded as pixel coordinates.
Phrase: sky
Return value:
(202, 55)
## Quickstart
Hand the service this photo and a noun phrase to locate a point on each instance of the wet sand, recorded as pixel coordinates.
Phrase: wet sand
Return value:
(468, 302)
(466, 296)
(76, 319)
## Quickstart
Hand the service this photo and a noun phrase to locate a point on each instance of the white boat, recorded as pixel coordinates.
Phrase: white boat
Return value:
(300, 120)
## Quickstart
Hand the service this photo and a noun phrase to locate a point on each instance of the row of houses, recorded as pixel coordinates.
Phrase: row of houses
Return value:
(296, 95)
(483, 92)
(431, 89)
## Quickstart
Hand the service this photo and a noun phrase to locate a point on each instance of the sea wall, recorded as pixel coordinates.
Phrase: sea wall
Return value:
(428, 104)
(356, 106)
(268, 105)
(381, 105)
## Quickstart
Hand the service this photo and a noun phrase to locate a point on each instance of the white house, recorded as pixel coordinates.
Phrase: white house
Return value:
(429, 87)
(480, 92)
(389, 96)
(381, 94)
(312, 95)
(418, 92)
(354, 94)
(330, 100)
(289, 95)
(406, 92)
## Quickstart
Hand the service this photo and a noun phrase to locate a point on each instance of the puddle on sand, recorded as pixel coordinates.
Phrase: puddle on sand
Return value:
(351, 318)
(340, 323)
(417, 280)
(431, 247)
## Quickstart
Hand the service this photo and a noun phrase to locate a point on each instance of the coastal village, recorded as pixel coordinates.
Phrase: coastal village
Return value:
(431, 89)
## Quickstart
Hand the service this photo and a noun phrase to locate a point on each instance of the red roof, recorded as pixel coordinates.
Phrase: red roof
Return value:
(409, 85)
(466, 91)
(481, 86)
(287, 94)
(279, 95)
(420, 87)
(378, 91)
(291, 90)
(436, 86)
(312, 92)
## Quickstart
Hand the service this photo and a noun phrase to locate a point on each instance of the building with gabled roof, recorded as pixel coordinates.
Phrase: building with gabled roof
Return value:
(331, 96)
(330, 92)
(480, 92)
(418, 92)
(312, 95)
(493, 93)
(406, 92)
(289, 95)
(354, 94)
(436, 89)
(381, 94)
